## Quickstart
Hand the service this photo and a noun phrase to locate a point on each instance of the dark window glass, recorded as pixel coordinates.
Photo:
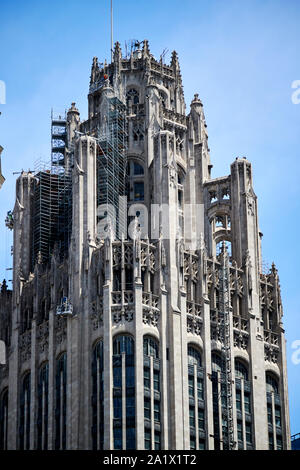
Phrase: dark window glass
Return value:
(157, 440)
(24, 429)
(191, 386)
(240, 430)
(3, 420)
(156, 410)
(61, 403)
(138, 190)
(192, 417)
(123, 345)
(279, 442)
(192, 443)
(201, 444)
(118, 445)
(194, 356)
(271, 441)
(147, 408)
(272, 383)
(147, 439)
(247, 404)
(241, 370)
(200, 389)
(138, 169)
(201, 419)
(156, 382)
(146, 377)
(270, 414)
(238, 400)
(277, 416)
(97, 397)
(42, 415)
(150, 347)
(248, 433)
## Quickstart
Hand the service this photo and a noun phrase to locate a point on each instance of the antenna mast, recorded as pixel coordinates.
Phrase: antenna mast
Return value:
(111, 30)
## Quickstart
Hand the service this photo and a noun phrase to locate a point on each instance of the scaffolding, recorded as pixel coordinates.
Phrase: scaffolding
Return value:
(61, 165)
(226, 376)
(111, 164)
(52, 200)
(45, 215)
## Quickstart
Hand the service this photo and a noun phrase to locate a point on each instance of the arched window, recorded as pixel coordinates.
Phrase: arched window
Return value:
(243, 405)
(97, 397)
(150, 347)
(196, 399)
(217, 363)
(3, 419)
(194, 356)
(152, 404)
(42, 417)
(24, 429)
(61, 403)
(124, 392)
(272, 383)
(241, 370)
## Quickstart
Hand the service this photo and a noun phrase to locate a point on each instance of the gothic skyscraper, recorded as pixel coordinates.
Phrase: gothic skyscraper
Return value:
(141, 317)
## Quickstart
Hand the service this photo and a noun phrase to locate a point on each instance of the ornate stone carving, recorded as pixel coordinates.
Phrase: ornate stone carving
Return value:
(122, 315)
(42, 336)
(194, 325)
(25, 346)
(151, 316)
(60, 329)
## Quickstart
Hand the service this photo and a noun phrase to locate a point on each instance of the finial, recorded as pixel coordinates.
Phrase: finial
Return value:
(73, 108)
(4, 286)
(146, 50)
(196, 100)
(117, 52)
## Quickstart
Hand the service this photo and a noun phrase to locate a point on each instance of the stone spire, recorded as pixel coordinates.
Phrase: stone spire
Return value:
(146, 50)
(95, 69)
(117, 52)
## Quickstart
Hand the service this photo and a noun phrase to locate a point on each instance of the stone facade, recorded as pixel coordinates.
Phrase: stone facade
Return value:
(157, 343)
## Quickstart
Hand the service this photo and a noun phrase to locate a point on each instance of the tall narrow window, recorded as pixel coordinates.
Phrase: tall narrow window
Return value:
(42, 416)
(243, 405)
(219, 402)
(24, 429)
(152, 401)
(97, 397)
(274, 412)
(61, 403)
(124, 393)
(3, 419)
(196, 399)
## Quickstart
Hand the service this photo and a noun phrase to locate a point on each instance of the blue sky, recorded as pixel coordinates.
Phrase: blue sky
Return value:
(240, 56)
